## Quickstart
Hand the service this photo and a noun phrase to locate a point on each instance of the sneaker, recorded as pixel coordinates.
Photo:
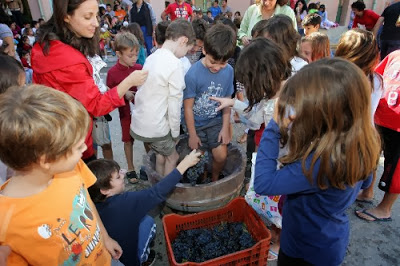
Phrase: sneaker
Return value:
(132, 177)
(151, 260)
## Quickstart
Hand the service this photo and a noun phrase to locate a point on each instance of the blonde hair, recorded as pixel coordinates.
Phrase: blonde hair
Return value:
(126, 40)
(360, 47)
(319, 45)
(39, 121)
(331, 99)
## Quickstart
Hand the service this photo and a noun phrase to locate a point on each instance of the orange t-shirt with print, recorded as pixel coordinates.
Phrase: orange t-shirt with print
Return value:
(120, 14)
(56, 226)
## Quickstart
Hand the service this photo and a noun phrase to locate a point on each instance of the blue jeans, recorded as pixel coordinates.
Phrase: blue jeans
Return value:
(147, 232)
(147, 39)
(388, 46)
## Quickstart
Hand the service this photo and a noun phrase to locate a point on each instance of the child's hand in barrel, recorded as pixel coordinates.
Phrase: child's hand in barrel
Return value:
(190, 160)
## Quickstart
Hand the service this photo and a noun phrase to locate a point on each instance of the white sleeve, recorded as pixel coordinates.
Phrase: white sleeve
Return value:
(176, 85)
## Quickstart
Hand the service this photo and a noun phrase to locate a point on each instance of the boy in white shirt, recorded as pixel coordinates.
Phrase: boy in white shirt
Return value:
(156, 116)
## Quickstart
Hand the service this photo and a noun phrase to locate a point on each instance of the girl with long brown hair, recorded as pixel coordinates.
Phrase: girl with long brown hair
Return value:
(323, 116)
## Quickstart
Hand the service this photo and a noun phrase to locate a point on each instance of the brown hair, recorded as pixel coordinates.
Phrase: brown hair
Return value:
(57, 29)
(220, 42)
(126, 40)
(280, 29)
(134, 28)
(261, 68)
(332, 123)
(10, 70)
(103, 170)
(311, 19)
(180, 28)
(200, 27)
(319, 44)
(39, 121)
(360, 47)
(161, 28)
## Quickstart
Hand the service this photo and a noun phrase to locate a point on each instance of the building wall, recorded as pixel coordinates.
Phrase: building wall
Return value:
(40, 9)
(43, 8)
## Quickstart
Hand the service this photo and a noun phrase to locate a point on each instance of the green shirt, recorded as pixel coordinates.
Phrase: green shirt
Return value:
(253, 15)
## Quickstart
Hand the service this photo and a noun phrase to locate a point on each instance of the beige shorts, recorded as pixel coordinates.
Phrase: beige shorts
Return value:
(164, 147)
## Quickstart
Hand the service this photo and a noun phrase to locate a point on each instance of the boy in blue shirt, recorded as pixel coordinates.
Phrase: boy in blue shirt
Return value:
(210, 77)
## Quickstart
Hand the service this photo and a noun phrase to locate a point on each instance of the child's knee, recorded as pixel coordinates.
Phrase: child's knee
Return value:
(160, 158)
(173, 158)
(220, 153)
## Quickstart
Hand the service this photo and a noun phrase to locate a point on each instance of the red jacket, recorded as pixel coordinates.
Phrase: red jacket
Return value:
(67, 70)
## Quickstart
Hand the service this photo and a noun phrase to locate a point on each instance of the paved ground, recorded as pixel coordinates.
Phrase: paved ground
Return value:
(371, 244)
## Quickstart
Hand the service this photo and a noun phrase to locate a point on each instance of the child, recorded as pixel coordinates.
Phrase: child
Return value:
(300, 11)
(326, 23)
(125, 214)
(31, 36)
(311, 23)
(280, 30)
(25, 42)
(333, 149)
(134, 28)
(360, 47)
(127, 49)
(156, 115)
(387, 119)
(315, 46)
(207, 128)
(50, 182)
(200, 28)
(312, 8)
(11, 74)
(159, 33)
(26, 63)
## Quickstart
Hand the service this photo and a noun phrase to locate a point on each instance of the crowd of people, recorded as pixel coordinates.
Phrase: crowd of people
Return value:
(317, 120)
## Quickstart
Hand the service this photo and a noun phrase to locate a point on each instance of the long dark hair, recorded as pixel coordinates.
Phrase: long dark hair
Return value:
(134, 28)
(57, 29)
(304, 6)
(280, 29)
(261, 68)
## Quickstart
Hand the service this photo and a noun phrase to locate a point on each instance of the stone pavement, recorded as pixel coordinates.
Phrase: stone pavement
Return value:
(371, 243)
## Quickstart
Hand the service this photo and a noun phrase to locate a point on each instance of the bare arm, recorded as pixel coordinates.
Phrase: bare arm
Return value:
(194, 141)
(225, 136)
(378, 24)
(21, 6)
(164, 16)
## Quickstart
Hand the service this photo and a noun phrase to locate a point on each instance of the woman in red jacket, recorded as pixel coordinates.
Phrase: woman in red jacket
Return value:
(59, 60)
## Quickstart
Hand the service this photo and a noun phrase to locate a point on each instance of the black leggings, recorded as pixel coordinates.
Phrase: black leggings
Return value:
(285, 260)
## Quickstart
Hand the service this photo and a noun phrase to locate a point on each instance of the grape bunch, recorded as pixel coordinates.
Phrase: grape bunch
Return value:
(199, 245)
(194, 172)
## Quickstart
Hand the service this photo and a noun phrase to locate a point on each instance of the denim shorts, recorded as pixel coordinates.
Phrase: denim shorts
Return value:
(208, 134)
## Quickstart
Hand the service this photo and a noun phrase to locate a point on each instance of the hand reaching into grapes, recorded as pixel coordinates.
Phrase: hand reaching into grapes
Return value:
(190, 160)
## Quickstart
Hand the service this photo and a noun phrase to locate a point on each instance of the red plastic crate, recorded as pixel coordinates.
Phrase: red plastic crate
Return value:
(236, 211)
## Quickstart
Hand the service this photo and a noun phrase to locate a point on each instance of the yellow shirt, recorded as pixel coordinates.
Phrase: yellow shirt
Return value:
(56, 226)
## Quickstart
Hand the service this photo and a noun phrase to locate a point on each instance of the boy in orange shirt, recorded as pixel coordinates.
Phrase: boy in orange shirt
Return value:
(46, 214)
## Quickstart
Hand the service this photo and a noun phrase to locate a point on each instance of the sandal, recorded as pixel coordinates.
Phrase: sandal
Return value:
(132, 177)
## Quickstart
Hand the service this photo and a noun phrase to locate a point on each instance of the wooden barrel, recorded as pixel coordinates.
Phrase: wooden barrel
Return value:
(188, 198)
